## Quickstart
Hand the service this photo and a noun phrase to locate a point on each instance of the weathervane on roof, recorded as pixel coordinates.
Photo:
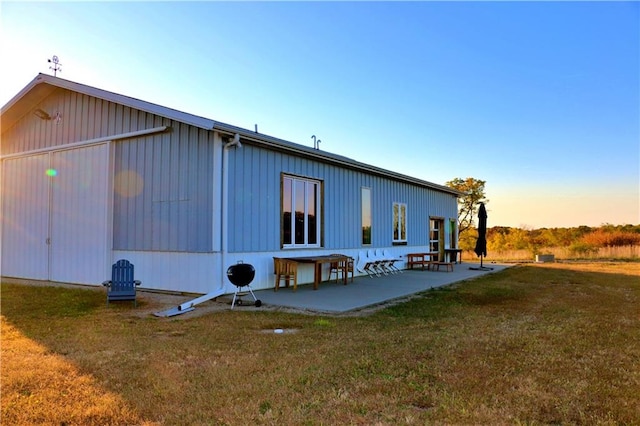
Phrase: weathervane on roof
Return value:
(56, 65)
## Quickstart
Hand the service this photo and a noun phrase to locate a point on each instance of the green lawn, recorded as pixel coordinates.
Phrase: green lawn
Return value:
(537, 344)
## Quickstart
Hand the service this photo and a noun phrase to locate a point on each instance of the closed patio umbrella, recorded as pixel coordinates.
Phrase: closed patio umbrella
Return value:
(481, 243)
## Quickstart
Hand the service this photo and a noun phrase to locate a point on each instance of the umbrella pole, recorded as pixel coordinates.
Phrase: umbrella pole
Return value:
(484, 268)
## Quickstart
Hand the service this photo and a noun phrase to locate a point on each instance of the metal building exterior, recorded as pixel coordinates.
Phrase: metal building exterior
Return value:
(90, 177)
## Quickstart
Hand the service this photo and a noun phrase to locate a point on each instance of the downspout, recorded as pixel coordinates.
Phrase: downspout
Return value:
(224, 203)
(224, 207)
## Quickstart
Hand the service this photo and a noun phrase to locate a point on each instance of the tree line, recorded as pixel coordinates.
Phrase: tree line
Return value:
(580, 240)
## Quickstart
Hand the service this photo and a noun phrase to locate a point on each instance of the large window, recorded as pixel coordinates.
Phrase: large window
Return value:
(399, 223)
(366, 216)
(300, 212)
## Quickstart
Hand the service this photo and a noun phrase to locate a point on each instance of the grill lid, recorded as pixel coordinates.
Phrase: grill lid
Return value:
(241, 274)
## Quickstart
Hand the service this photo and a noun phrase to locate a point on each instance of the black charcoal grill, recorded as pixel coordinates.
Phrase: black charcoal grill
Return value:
(241, 275)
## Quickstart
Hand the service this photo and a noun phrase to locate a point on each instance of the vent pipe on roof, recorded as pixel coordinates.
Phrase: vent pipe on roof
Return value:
(316, 142)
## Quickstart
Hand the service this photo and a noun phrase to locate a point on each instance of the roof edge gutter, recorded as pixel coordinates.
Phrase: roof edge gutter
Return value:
(269, 141)
(118, 137)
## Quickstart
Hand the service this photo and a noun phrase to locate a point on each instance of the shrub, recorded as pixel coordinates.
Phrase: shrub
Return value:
(581, 248)
(601, 238)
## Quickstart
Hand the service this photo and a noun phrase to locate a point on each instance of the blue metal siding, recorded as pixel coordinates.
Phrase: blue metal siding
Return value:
(173, 211)
(254, 202)
(82, 118)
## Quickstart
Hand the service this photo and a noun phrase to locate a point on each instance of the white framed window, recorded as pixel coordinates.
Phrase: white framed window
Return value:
(366, 216)
(300, 212)
(399, 223)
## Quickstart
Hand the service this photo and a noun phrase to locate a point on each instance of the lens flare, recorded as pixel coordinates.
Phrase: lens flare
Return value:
(51, 172)
(128, 184)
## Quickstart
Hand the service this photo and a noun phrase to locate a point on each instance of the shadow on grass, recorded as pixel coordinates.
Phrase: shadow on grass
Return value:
(39, 302)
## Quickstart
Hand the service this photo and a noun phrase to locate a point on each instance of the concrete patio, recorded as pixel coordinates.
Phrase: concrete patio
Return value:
(363, 292)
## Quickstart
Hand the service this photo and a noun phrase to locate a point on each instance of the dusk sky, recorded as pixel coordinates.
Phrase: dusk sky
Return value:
(539, 99)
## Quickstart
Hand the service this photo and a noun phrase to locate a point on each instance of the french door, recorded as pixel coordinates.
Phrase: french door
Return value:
(436, 236)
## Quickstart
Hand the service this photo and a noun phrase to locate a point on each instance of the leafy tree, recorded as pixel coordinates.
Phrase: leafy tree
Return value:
(611, 237)
(473, 190)
(467, 241)
(497, 238)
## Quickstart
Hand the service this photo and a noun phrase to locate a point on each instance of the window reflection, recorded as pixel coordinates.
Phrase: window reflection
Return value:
(366, 215)
(303, 197)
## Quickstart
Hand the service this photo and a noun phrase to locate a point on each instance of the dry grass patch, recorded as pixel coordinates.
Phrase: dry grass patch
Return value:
(539, 344)
(40, 387)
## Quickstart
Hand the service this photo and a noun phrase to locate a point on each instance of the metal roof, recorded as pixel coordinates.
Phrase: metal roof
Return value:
(43, 85)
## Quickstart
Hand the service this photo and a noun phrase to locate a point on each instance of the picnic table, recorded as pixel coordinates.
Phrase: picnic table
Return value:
(318, 261)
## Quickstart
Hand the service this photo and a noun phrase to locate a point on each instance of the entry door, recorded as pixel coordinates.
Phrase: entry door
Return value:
(54, 216)
(436, 236)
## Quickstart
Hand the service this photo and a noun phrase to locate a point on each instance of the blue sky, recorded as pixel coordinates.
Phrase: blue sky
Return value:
(539, 99)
